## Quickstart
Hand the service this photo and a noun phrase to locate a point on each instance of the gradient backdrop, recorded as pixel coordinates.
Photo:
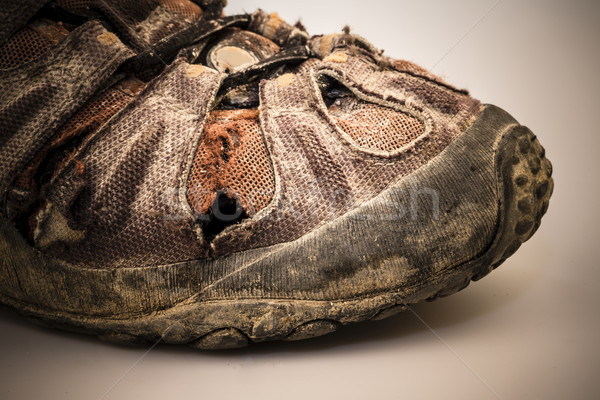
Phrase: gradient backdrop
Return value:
(527, 331)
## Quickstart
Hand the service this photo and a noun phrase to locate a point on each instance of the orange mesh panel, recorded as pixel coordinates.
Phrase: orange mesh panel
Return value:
(24, 46)
(183, 7)
(55, 32)
(375, 127)
(95, 113)
(232, 157)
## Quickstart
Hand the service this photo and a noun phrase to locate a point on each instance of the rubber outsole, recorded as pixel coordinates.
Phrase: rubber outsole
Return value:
(524, 185)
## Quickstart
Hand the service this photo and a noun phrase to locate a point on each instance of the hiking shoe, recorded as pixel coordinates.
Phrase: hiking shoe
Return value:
(170, 173)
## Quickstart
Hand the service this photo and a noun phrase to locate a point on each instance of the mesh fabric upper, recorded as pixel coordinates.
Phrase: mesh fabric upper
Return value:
(125, 200)
(122, 202)
(375, 127)
(85, 121)
(38, 97)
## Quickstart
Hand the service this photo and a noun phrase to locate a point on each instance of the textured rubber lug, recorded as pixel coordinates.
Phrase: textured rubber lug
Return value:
(527, 177)
(501, 158)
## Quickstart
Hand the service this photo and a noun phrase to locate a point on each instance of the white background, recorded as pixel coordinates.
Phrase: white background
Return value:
(527, 331)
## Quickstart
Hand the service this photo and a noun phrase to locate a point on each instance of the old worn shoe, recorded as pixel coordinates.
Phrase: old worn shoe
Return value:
(170, 173)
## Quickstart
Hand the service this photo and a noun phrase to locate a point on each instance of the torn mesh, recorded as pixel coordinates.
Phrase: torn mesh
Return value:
(232, 157)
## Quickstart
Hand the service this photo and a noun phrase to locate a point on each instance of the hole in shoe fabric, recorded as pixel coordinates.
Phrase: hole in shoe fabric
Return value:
(231, 158)
(235, 98)
(370, 126)
(225, 211)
